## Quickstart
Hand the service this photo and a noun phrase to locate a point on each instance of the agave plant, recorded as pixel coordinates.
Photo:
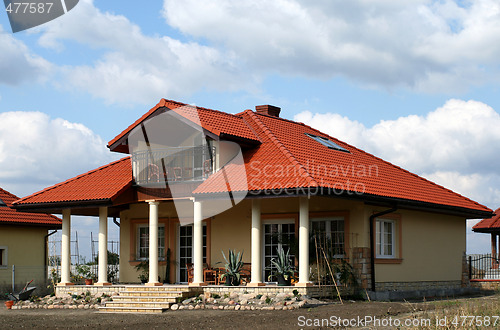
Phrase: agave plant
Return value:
(233, 267)
(283, 266)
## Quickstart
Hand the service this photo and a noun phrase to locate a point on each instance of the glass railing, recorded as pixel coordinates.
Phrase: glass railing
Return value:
(172, 165)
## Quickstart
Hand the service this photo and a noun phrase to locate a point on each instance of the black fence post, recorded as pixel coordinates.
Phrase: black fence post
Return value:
(470, 268)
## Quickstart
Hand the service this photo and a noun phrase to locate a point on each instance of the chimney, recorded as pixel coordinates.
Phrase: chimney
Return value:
(269, 110)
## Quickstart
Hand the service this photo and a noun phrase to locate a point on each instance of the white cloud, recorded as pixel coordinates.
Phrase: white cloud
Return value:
(135, 67)
(456, 145)
(18, 64)
(430, 46)
(37, 151)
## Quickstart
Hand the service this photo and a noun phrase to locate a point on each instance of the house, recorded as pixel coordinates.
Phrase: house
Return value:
(197, 181)
(489, 263)
(23, 243)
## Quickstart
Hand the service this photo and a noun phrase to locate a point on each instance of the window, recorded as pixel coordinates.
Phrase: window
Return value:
(329, 233)
(385, 238)
(277, 234)
(2, 203)
(327, 143)
(3, 257)
(143, 242)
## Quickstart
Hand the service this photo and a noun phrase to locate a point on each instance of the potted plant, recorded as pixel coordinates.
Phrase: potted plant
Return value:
(232, 268)
(143, 268)
(9, 304)
(86, 273)
(283, 267)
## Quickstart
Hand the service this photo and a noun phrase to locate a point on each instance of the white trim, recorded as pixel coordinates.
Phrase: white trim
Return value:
(178, 248)
(381, 238)
(4, 250)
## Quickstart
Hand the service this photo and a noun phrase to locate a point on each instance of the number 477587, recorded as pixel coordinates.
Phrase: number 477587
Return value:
(29, 7)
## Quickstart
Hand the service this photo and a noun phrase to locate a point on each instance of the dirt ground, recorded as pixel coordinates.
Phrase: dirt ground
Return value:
(224, 319)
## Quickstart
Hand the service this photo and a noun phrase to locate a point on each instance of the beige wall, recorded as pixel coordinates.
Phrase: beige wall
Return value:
(431, 244)
(431, 249)
(25, 245)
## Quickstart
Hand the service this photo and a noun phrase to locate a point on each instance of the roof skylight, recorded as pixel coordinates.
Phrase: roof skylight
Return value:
(2, 203)
(327, 143)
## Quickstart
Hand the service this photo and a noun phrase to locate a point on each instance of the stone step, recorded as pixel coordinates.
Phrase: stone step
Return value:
(155, 294)
(158, 288)
(135, 304)
(131, 309)
(169, 299)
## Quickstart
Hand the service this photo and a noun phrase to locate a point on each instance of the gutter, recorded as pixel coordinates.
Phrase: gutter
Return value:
(372, 242)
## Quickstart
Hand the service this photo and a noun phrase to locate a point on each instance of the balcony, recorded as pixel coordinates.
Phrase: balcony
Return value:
(158, 166)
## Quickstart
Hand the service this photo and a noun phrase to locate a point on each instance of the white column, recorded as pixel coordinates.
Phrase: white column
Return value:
(66, 248)
(103, 247)
(198, 244)
(303, 242)
(256, 279)
(153, 243)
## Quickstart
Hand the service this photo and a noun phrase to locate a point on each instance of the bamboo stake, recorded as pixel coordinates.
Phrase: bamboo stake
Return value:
(333, 277)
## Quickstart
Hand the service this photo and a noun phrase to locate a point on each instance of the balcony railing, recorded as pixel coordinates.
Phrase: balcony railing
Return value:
(173, 164)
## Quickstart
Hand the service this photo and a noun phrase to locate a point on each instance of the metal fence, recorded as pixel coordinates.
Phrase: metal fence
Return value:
(484, 267)
(14, 278)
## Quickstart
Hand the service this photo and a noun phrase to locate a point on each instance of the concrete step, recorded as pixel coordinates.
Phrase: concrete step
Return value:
(106, 309)
(135, 304)
(169, 299)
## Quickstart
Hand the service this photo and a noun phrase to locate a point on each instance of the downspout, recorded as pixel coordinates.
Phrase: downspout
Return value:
(46, 242)
(116, 222)
(372, 242)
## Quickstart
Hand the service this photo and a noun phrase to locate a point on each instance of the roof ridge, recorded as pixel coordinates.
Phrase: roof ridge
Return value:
(71, 180)
(281, 147)
(203, 108)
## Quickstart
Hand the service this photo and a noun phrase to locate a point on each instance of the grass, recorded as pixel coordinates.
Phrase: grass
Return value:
(474, 313)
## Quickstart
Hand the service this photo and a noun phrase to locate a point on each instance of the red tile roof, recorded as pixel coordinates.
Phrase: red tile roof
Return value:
(214, 121)
(288, 158)
(284, 158)
(14, 217)
(490, 224)
(101, 184)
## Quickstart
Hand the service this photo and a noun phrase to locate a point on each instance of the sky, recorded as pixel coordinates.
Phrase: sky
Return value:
(414, 82)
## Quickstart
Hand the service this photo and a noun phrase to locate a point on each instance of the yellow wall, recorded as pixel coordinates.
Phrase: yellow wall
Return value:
(25, 245)
(431, 244)
(432, 248)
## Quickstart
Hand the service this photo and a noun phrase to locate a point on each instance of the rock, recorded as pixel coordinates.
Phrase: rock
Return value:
(243, 301)
(247, 296)
(231, 302)
(197, 307)
(237, 307)
(226, 300)
(263, 298)
(221, 307)
(231, 308)
(190, 307)
(50, 307)
(281, 296)
(182, 307)
(187, 301)
(233, 295)
(207, 295)
(174, 307)
(278, 308)
(302, 303)
(215, 307)
(86, 307)
(81, 307)
(226, 307)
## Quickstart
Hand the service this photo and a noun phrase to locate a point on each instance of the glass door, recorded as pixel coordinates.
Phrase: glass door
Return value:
(185, 249)
(277, 234)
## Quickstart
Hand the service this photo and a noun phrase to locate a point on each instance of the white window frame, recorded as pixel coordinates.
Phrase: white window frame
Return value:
(4, 252)
(328, 229)
(380, 238)
(138, 242)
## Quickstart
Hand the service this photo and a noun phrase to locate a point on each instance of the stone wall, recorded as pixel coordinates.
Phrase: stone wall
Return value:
(412, 286)
(486, 284)
(93, 289)
(465, 272)
(361, 264)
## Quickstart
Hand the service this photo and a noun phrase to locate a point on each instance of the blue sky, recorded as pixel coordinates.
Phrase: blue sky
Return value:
(414, 82)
